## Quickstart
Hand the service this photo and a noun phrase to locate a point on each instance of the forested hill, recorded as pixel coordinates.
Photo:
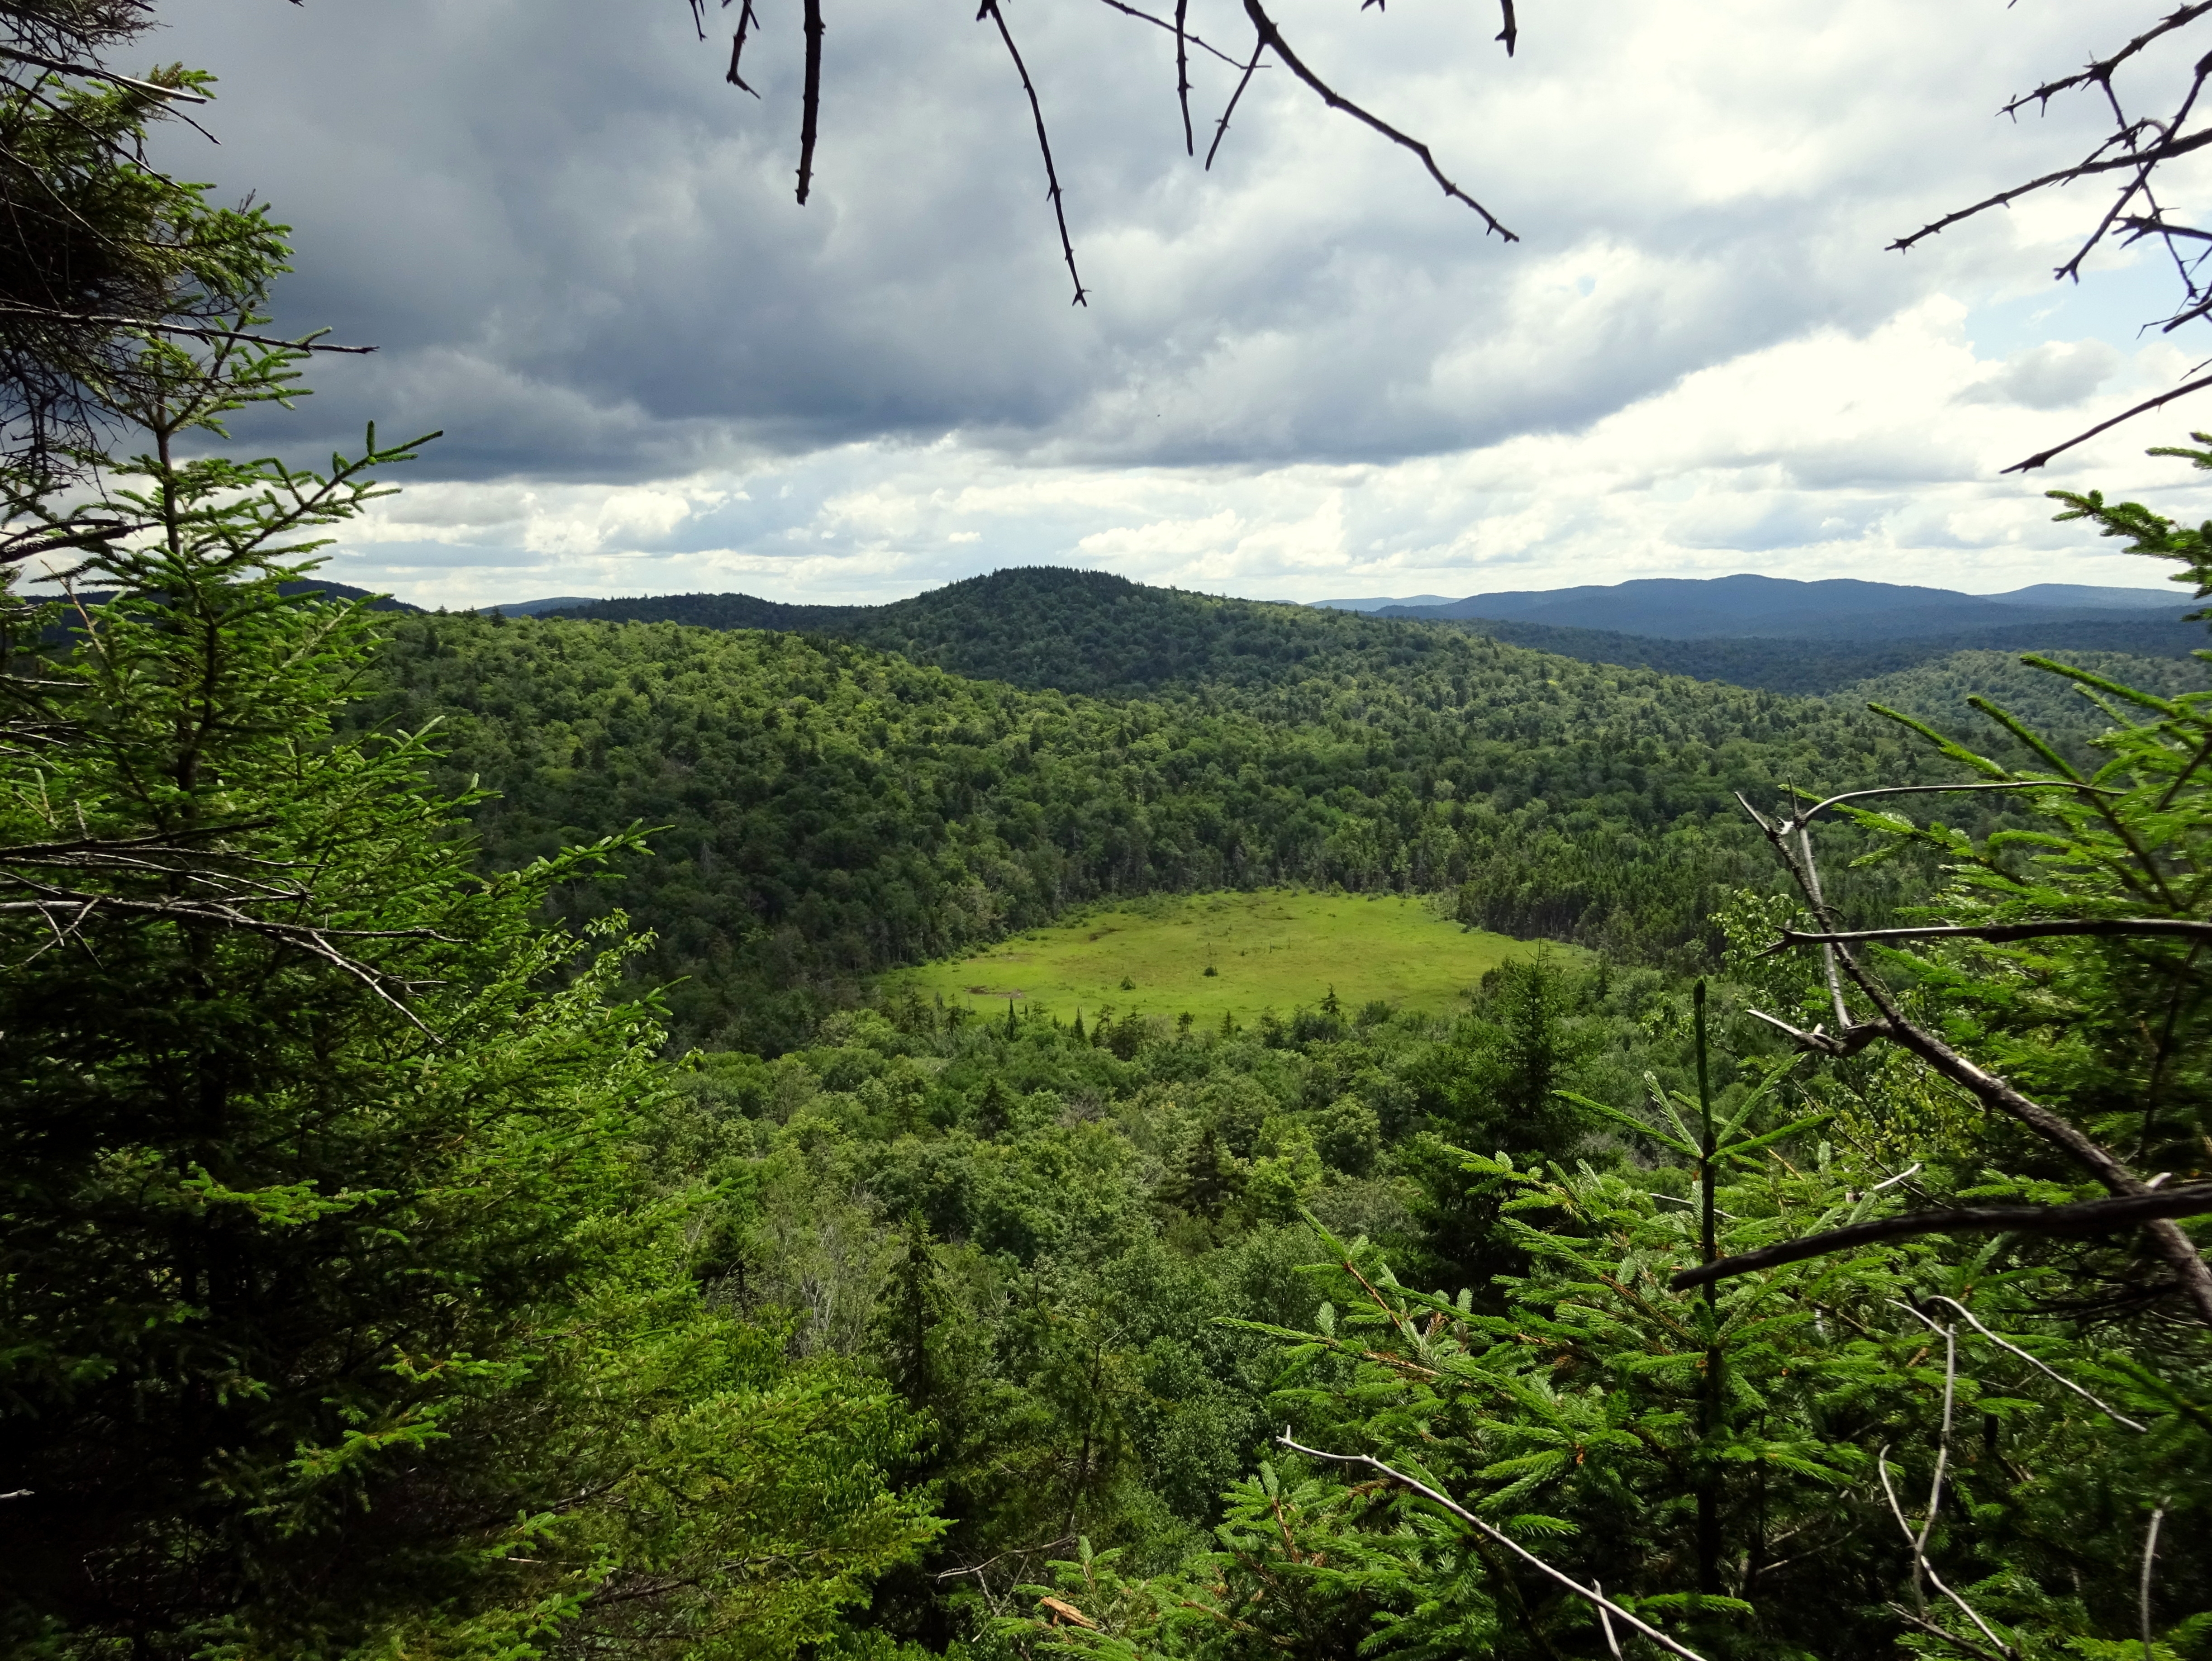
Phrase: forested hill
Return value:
(1085, 632)
(1102, 635)
(832, 810)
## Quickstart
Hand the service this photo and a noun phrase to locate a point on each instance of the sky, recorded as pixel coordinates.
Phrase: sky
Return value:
(1303, 374)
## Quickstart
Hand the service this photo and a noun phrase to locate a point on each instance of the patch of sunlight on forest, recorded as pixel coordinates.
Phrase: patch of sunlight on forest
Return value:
(1275, 949)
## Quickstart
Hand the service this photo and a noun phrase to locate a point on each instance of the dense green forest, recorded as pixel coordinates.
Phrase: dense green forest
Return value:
(832, 810)
(1096, 633)
(463, 1198)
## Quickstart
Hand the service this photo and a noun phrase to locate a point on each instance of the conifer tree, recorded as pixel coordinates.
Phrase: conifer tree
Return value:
(341, 1315)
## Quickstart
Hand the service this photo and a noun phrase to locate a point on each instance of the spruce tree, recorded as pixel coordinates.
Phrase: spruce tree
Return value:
(341, 1314)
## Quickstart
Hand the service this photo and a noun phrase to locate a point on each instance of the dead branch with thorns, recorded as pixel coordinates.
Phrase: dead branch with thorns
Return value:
(1266, 40)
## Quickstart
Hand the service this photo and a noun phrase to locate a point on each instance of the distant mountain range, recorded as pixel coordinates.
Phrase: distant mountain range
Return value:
(1748, 607)
(1090, 632)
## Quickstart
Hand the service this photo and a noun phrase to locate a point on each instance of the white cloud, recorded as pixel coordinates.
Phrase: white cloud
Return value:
(1303, 373)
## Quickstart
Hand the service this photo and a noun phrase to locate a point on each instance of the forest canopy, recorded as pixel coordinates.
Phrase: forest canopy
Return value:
(463, 1192)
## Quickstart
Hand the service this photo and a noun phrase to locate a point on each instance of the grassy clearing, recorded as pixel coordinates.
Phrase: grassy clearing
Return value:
(1276, 948)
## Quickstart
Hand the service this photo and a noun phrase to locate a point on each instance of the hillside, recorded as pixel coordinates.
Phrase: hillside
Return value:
(1105, 636)
(1085, 632)
(833, 810)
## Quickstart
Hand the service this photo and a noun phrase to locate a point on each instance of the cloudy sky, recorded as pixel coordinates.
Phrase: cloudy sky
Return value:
(1302, 375)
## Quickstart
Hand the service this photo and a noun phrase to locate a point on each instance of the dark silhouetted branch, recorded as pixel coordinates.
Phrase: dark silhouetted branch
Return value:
(193, 330)
(1221, 127)
(2090, 1217)
(1510, 34)
(2042, 455)
(2166, 152)
(1182, 74)
(746, 22)
(93, 72)
(809, 115)
(30, 544)
(1272, 38)
(2099, 72)
(990, 9)
(1191, 35)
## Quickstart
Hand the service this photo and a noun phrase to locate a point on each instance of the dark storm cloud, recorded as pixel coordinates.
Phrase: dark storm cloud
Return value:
(578, 251)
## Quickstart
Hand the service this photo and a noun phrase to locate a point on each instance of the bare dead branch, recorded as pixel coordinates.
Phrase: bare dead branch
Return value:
(1604, 1604)
(93, 72)
(746, 22)
(1221, 127)
(1510, 34)
(1191, 35)
(1921, 1565)
(2164, 398)
(1264, 26)
(305, 937)
(2149, 1566)
(1797, 821)
(809, 115)
(2183, 927)
(2099, 72)
(1182, 74)
(1950, 1638)
(2165, 152)
(1854, 1038)
(1996, 1093)
(85, 534)
(2047, 1370)
(193, 330)
(990, 9)
(2070, 1221)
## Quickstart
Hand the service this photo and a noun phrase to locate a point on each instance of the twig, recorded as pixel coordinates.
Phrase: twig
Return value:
(990, 9)
(2149, 1561)
(1942, 1443)
(2048, 1371)
(93, 72)
(1191, 35)
(1221, 127)
(1510, 34)
(1952, 1638)
(1996, 931)
(2042, 455)
(2099, 72)
(809, 115)
(1849, 1042)
(1604, 1620)
(2168, 151)
(1799, 819)
(746, 22)
(1264, 25)
(1993, 1091)
(1820, 905)
(305, 343)
(1922, 1564)
(1606, 1605)
(1182, 74)
(2088, 1217)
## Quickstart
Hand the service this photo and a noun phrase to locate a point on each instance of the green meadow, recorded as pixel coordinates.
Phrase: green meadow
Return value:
(1273, 950)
